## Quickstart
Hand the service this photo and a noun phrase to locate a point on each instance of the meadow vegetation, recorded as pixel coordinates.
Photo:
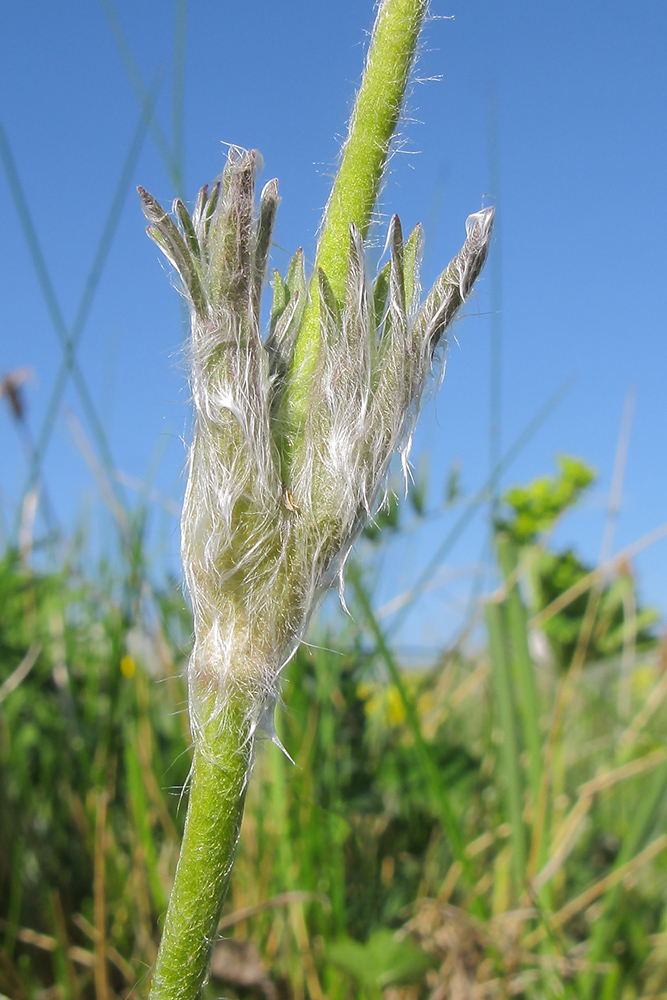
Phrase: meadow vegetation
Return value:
(490, 825)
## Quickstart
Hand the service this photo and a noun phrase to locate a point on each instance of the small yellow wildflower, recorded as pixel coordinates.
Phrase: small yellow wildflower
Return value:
(395, 709)
(127, 666)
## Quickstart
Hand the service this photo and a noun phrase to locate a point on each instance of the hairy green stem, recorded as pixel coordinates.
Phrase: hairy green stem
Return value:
(221, 256)
(372, 127)
(218, 781)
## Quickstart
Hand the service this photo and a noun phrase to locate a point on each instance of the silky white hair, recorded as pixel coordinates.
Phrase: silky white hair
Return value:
(271, 514)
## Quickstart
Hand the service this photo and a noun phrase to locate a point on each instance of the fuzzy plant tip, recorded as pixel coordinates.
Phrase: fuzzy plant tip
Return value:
(274, 500)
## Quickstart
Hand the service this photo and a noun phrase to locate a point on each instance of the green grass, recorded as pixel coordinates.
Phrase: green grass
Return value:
(488, 817)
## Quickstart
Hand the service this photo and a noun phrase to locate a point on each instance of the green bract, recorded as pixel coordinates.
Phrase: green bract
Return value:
(272, 506)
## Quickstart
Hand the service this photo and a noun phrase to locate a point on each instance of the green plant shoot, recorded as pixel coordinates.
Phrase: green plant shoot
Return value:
(293, 437)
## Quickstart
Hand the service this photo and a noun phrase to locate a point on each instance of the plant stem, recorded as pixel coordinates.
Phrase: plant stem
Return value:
(523, 669)
(223, 757)
(372, 126)
(218, 782)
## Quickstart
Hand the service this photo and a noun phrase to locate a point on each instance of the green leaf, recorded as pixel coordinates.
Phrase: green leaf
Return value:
(209, 209)
(295, 279)
(380, 292)
(535, 507)
(382, 961)
(268, 207)
(187, 227)
(411, 264)
(280, 296)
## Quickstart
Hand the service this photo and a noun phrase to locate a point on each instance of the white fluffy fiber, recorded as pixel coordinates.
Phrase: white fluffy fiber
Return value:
(257, 550)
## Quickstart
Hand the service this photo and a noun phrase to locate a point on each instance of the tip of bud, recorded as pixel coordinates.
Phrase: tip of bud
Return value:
(482, 220)
(394, 224)
(270, 190)
(151, 208)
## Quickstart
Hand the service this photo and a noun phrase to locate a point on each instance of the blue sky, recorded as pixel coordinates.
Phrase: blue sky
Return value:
(574, 155)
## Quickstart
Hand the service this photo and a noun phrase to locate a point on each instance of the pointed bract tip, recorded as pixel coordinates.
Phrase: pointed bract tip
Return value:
(270, 189)
(482, 221)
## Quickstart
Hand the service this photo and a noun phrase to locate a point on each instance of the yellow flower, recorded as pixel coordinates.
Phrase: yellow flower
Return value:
(395, 709)
(127, 666)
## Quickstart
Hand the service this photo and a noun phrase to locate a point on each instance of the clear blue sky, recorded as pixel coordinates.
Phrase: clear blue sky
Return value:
(581, 184)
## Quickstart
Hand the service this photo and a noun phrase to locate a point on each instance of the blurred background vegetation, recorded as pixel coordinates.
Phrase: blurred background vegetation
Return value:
(490, 824)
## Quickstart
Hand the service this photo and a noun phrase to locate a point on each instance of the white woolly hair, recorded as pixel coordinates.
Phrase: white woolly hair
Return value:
(260, 544)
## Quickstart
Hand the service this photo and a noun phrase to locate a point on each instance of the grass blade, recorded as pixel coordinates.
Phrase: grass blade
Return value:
(139, 805)
(429, 768)
(141, 93)
(48, 292)
(604, 929)
(71, 340)
(523, 669)
(178, 92)
(510, 746)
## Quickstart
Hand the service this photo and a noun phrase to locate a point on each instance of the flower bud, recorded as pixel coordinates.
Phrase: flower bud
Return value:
(272, 510)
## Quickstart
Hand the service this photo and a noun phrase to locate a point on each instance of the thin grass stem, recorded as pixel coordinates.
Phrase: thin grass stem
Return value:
(509, 747)
(141, 92)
